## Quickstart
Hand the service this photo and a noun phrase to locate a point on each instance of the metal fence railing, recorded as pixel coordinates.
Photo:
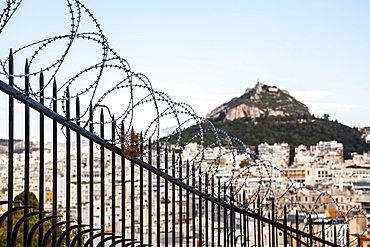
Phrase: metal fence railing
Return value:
(68, 186)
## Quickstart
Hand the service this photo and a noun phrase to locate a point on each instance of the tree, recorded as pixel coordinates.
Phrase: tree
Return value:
(32, 199)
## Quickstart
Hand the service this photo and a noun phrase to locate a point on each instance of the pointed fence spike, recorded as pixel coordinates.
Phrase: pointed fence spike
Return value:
(26, 78)
(11, 68)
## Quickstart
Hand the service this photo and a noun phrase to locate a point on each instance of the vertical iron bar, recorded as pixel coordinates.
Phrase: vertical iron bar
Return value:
(102, 177)
(285, 230)
(141, 181)
(68, 166)
(174, 203)
(359, 241)
(245, 223)
(259, 210)
(273, 220)
(311, 230)
(123, 185)
(113, 163)
(27, 151)
(297, 227)
(166, 198)
(10, 147)
(132, 197)
(193, 205)
(213, 212)
(232, 233)
(323, 232)
(219, 214)
(200, 229)
(248, 238)
(150, 199)
(158, 198)
(187, 205)
(180, 198)
(269, 229)
(206, 209)
(79, 172)
(55, 160)
(91, 174)
(42, 159)
(225, 219)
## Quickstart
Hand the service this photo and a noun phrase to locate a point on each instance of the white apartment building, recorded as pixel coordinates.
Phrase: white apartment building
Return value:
(277, 154)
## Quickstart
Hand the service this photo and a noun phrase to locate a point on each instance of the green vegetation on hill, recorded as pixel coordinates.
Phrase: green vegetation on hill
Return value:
(304, 130)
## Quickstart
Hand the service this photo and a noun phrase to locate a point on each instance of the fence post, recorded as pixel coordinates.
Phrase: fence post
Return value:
(55, 160)
(68, 167)
(102, 178)
(10, 147)
(42, 158)
(79, 172)
(26, 150)
(91, 173)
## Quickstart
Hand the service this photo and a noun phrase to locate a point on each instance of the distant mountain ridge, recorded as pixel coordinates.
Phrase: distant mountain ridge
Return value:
(260, 101)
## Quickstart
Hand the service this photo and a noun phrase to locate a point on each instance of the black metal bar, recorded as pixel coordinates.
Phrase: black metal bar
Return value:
(273, 222)
(91, 173)
(206, 209)
(193, 204)
(311, 230)
(123, 185)
(180, 197)
(158, 197)
(358, 241)
(141, 191)
(68, 167)
(322, 229)
(79, 172)
(245, 223)
(219, 214)
(132, 198)
(42, 158)
(173, 207)
(285, 224)
(213, 212)
(200, 212)
(269, 228)
(187, 206)
(166, 198)
(225, 217)
(113, 162)
(297, 227)
(26, 150)
(150, 194)
(10, 145)
(55, 161)
(102, 177)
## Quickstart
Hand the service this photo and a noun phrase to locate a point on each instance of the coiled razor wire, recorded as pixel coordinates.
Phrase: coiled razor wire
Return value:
(243, 186)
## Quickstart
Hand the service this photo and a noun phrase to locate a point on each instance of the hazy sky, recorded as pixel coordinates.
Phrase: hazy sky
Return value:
(206, 52)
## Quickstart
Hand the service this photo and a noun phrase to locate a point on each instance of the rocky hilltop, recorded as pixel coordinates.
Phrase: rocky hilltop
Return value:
(262, 100)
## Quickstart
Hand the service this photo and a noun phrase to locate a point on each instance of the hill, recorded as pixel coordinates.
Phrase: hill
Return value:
(260, 101)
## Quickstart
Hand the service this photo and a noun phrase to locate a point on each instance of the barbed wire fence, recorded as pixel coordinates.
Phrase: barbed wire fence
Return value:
(131, 100)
